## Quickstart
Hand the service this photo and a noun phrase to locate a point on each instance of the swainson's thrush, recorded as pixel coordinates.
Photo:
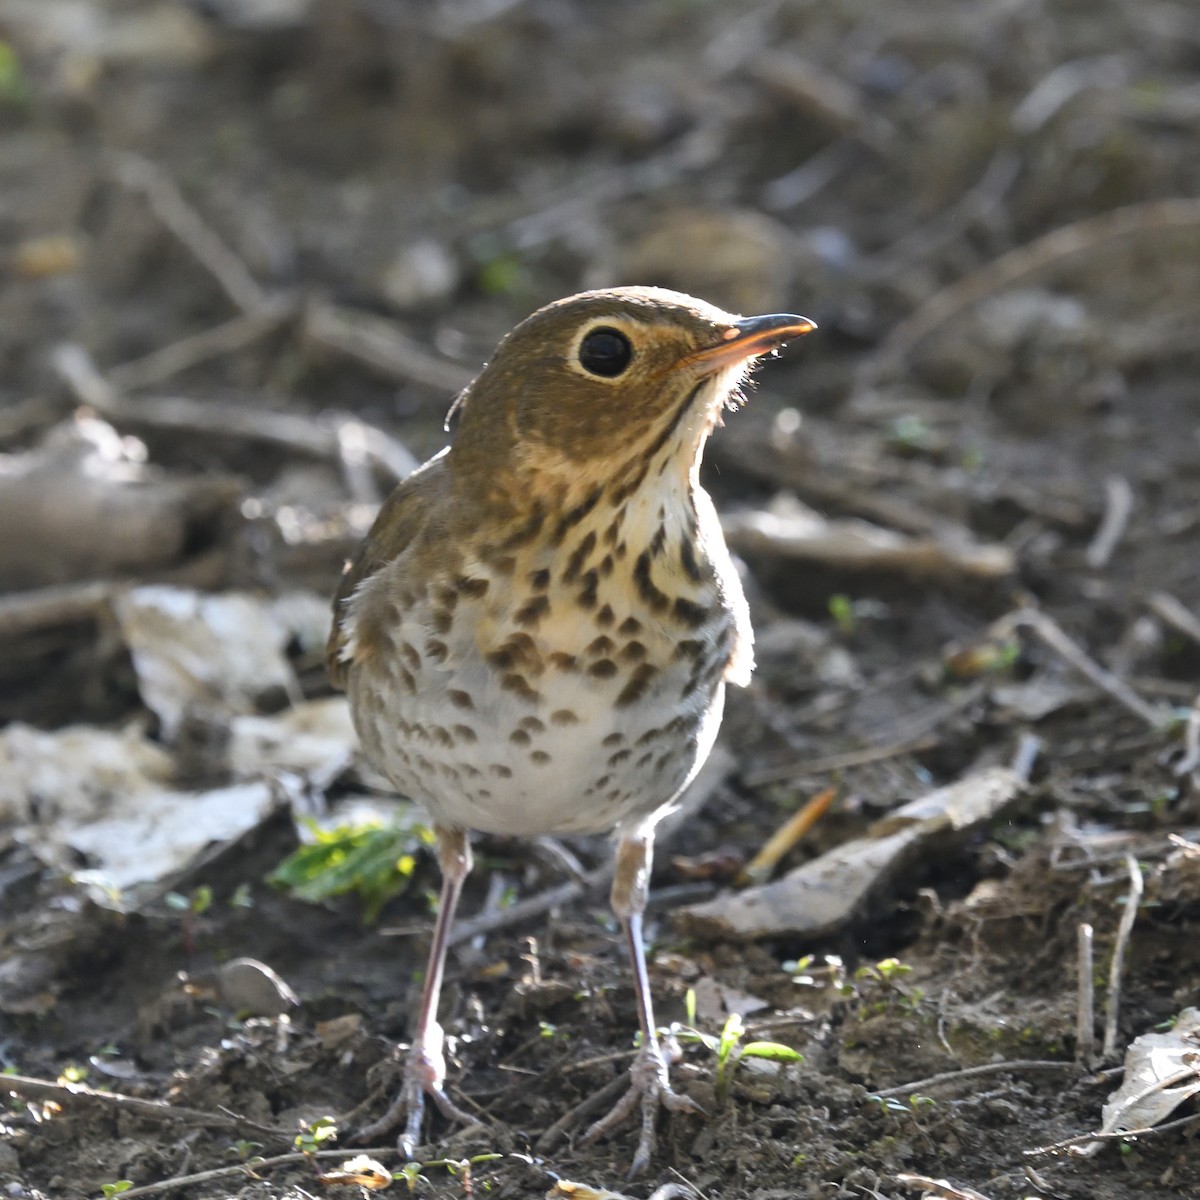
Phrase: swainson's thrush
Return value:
(537, 631)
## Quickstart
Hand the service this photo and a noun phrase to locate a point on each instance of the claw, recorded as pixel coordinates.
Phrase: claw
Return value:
(649, 1084)
(424, 1075)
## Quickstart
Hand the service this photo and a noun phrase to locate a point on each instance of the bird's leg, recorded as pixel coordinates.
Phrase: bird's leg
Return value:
(425, 1069)
(649, 1082)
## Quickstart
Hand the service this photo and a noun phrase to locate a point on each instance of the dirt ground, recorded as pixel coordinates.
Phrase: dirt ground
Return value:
(251, 249)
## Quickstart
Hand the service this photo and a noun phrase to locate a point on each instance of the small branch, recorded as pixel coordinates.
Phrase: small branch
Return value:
(1118, 508)
(227, 338)
(942, 1188)
(203, 242)
(1117, 969)
(1065, 242)
(1164, 606)
(75, 1095)
(1000, 1068)
(1051, 633)
(1087, 1138)
(381, 346)
(1085, 1014)
(533, 906)
(251, 1168)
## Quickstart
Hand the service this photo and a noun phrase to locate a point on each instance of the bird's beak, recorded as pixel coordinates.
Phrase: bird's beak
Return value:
(747, 339)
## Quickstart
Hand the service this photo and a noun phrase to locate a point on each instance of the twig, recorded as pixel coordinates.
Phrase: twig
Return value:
(68, 1095)
(381, 346)
(1190, 761)
(323, 438)
(1064, 242)
(45, 608)
(1084, 1138)
(593, 1103)
(250, 1168)
(1117, 968)
(532, 906)
(227, 338)
(841, 762)
(1085, 1012)
(1164, 606)
(786, 837)
(1020, 1064)
(207, 246)
(939, 1187)
(1029, 746)
(920, 244)
(1051, 633)
(1118, 508)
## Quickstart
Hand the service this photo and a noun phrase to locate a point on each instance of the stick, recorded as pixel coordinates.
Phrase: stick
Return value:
(1118, 508)
(786, 837)
(74, 1095)
(1117, 968)
(203, 242)
(1085, 1014)
(1081, 1139)
(1051, 633)
(1064, 242)
(227, 338)
(1020, 1064)
(1164, 606)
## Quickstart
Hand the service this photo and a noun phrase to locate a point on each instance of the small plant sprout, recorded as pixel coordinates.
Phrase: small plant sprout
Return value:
(245, 1151)
(460, 1168)
(728, 1048)
(115, 1189)
(313, 1135)
(891, 1106)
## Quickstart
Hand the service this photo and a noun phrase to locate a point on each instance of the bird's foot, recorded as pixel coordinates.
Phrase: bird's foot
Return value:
(424, 1075)
(649, 1086)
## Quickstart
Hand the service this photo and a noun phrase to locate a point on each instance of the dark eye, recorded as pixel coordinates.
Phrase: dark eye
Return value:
(605, 352)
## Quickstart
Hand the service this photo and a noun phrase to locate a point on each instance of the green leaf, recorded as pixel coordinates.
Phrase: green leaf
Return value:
(773, 1051)
(115, 1189)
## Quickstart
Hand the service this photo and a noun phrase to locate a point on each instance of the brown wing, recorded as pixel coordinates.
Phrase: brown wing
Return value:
(404, 515)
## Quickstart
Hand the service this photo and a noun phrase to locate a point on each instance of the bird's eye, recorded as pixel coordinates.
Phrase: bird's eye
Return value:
(605, 352)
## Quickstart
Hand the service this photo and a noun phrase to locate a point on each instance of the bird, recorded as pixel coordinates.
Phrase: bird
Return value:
(536, 634)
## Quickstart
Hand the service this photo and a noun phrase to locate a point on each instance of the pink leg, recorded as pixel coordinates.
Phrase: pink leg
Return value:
(425, 1070)
(649, 1079)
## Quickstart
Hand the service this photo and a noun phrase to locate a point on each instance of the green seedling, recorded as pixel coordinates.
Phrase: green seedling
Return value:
(891, 1106)
(841, 609)
(313, 1135)
(373, 861)
(115, 1189)
(728, 1048)
(245, 1151)
(459, 1168)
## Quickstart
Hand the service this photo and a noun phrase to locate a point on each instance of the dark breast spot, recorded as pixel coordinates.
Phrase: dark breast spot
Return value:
(600, 645)
(563, 716)
(578, 557)
(646, 588)
(436, 651)
(630, 627)
(638, 685)
(688, 613)
(603, 668)
(532, 724)
(539, 580)
(540, 757)
(605, 617)
(465, 733)
(519, 737)
(460, 699)
(475, 588)
(633, 652)
(532, 611)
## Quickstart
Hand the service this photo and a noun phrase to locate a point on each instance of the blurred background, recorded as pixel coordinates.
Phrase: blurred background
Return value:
(250, 250)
